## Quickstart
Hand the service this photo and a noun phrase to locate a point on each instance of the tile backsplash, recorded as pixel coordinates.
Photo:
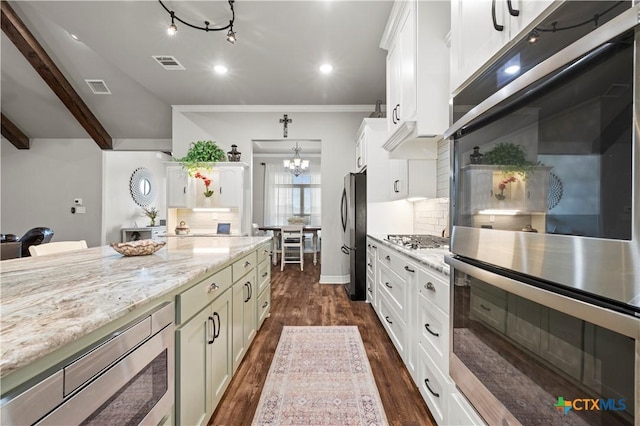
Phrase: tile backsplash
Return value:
(431, 216)
(207, 222)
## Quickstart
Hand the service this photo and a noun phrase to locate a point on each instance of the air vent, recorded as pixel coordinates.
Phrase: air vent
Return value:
(98, 87)
(616, 90)
(169, 63)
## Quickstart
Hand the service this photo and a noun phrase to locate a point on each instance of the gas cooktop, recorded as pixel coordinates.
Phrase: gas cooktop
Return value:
(418, 241)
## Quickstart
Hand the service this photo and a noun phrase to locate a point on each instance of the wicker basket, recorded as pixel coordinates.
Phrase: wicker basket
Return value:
(138, 248)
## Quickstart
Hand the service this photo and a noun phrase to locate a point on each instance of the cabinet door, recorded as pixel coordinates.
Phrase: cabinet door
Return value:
(221, 358)
(399, 175)
(394, 77)
(474, 38)
(361, 159)
(178, 188)
(408, 85)
(561, 341)
(230, 188)
(529, 10)
(523, 322)
(249, 318)
(193, 390)
(537, 191)
(240, 292)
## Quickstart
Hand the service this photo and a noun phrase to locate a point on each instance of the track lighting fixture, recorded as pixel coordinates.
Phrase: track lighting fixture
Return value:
(173, 29)
(533, 36)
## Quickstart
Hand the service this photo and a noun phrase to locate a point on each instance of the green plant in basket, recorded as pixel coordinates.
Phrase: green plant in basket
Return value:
(511, 158)
(201, 154)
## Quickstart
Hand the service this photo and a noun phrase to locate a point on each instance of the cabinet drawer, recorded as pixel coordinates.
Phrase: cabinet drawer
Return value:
(489, 310)
(197, 297)
(395, 288)
(393, 260)
(461, 413)
(435, 289)
(371, 263)
(264, 275)
(433, 386)
(433, 334)
(264, 305)
(371, 290)
(263, 252)
(244, 265)
(392, 323)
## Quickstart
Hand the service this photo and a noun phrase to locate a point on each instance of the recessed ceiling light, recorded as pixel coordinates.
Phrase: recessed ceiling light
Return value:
(73, 36)
(512, 69)
(326, 68)
(220, 69)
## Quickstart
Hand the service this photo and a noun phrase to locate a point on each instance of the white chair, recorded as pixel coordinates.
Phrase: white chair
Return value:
(57, 247)
(291, 246)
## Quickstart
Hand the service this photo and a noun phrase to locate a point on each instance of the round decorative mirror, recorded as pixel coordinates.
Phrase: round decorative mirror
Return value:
(141, 187)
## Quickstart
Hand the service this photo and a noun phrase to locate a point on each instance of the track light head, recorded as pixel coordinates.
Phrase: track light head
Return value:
(172, 30)
(231, 36)
(533, 36)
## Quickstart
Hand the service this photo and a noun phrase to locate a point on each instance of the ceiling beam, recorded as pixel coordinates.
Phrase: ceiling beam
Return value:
(27, 44)
(13, 134)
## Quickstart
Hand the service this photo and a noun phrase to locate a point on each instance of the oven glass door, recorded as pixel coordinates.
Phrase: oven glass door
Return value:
(517, 351)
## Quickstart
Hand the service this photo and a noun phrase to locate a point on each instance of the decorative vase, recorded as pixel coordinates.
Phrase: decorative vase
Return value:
(206, 202)
(234, 154)
(153, 221)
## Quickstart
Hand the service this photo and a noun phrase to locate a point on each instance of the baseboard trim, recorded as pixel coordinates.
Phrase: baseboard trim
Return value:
(334, 279)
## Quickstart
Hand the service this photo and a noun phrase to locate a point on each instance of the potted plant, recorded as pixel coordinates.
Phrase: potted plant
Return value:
(511, 158)
(201, 154)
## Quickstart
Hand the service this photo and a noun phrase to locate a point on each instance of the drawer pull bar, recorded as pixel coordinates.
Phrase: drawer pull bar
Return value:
(265, 304)
(426, 382)
(369, 290)
(388, 285)
(430, 286)
(265, 274)
(369, 265)
(213, 330)
(266, 251)
(429, 330)
(375, 247)
(247, 263)
(388, 320)
(406, 268)
(213, 287)
(388, 258)
(484, 307)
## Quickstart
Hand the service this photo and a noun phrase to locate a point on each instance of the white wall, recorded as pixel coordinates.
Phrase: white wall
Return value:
(336, 130)
(120, 211)
(39, 185)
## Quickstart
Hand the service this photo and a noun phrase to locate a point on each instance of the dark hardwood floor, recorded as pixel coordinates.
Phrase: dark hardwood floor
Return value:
(298, 299)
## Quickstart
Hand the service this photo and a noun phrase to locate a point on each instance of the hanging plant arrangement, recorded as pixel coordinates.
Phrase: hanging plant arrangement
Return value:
(511, 158)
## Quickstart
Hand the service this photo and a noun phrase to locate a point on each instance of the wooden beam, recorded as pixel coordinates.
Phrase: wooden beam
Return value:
(27, 44)
(13, 134)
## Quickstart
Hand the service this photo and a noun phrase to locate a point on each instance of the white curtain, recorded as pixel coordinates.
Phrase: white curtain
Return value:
(279, 187)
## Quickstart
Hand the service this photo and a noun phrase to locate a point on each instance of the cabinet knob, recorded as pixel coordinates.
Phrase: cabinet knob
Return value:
(212, 287)
(388, 258)
(429, 286)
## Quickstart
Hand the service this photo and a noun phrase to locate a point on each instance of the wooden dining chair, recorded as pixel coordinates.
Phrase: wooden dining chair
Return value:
(291, 246)
(57, 247)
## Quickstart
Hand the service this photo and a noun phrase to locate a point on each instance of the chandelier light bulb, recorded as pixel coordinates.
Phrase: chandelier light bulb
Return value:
(172, 30)
(231, 36)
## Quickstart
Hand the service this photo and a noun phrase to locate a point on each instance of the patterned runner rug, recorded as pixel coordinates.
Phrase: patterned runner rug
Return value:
(320, 376)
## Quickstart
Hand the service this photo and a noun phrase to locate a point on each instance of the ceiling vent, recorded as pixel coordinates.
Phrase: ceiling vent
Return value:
(98, 87)
(169, 63)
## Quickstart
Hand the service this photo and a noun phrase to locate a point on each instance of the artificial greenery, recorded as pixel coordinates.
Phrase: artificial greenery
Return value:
(511, 158)
(202, 154)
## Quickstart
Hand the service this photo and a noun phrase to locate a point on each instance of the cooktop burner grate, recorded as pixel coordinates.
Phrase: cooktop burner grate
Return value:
(418, 241)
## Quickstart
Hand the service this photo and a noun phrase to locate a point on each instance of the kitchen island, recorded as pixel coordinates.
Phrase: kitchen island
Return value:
(53, 306)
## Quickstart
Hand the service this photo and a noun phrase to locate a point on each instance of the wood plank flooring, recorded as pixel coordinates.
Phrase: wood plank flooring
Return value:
(298, 299)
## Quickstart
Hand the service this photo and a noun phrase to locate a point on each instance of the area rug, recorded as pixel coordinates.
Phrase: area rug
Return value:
(320, 376)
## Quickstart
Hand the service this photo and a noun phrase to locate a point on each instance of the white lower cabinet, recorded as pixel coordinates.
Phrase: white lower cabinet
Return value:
(412, 302)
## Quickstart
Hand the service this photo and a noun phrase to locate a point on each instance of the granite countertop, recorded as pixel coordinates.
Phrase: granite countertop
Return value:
(432, 258)
(50, 301)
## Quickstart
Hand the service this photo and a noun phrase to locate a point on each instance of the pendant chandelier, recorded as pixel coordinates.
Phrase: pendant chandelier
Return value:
(297, 166)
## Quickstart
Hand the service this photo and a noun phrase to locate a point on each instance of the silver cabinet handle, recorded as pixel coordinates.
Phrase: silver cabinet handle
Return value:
(429, 286)
(212, 287)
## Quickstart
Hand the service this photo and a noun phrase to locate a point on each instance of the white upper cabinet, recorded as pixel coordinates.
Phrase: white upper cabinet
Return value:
(231, 186)
(417, 101)
(227, 184)
(178, 187)
(481, 28)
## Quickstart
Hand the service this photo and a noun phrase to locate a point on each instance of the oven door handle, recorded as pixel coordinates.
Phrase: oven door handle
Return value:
(595, 39)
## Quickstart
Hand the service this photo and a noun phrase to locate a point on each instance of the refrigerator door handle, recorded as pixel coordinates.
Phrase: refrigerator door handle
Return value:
(344, 209)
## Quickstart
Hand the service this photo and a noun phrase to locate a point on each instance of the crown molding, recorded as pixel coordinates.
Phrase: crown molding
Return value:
(274, 108)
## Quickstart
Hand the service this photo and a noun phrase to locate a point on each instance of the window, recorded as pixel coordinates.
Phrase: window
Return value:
(287, 195)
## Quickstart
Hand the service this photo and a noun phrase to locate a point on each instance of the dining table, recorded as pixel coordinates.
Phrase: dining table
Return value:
(306, 229)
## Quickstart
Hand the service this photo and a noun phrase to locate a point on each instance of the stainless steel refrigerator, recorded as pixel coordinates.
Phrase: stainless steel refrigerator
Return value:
(353, 211)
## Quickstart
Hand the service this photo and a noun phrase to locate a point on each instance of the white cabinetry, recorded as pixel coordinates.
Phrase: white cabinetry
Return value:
(480, 28)
(413, 306)
(244, 307)
(179, 192)
(372, 272)
(413, 179)
(417, 77)
(227, 184)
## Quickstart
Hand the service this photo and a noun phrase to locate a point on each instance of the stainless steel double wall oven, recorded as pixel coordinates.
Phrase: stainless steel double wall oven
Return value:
(545, 276)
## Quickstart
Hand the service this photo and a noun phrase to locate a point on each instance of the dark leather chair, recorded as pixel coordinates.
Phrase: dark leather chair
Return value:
(33, 237)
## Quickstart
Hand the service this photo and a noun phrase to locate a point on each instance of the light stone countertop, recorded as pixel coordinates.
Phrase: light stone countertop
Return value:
(432, 258)
(51, 301)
